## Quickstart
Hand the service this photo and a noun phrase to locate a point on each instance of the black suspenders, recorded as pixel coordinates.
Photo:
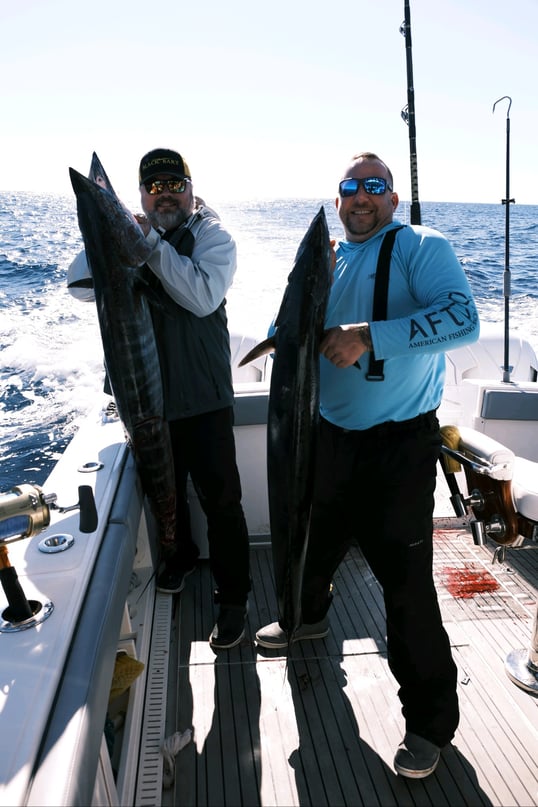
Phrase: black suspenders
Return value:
(381, 293)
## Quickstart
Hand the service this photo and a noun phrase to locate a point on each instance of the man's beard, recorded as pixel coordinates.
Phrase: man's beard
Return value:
(169, 219)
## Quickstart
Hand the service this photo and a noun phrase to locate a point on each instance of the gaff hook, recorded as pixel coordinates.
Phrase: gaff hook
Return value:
(502, 99)
(506, 201)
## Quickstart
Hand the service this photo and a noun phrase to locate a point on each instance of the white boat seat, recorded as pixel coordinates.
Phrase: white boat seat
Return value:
(482, 359)
(507, 484)
(523, 473)
(525, 487)
(489, 450)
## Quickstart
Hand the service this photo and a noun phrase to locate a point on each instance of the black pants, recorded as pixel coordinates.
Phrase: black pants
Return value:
(204, 447)
(376, 488)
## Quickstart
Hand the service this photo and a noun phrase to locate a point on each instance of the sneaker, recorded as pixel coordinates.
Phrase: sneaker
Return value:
(416, 757)
(171, 580)
(229, 628)
(275, 637)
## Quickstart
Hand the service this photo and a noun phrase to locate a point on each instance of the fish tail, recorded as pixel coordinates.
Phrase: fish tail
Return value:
(261, 349)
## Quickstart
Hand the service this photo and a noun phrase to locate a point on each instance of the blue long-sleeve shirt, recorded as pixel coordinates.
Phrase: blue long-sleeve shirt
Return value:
(430, 310)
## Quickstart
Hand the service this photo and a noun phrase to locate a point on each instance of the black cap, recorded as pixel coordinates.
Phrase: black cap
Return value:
(162, 161)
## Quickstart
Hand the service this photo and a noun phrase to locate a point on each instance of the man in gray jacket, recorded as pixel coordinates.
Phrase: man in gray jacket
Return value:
(191, 268)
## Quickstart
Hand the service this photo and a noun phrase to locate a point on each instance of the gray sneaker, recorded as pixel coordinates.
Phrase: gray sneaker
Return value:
(274, 637)
(416, 757)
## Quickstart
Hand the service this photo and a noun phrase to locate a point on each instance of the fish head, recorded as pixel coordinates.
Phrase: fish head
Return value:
(102, 216)
(98, 174)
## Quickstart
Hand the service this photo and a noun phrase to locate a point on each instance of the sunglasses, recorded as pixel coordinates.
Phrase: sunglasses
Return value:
(374, 186)
(173, 185)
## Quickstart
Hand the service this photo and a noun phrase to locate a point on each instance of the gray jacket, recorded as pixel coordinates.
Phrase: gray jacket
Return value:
(187, 292)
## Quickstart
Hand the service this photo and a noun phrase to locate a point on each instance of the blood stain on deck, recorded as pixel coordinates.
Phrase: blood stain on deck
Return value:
(465, 582)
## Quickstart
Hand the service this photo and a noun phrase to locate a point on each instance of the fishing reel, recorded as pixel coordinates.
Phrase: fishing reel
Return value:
(25, 512)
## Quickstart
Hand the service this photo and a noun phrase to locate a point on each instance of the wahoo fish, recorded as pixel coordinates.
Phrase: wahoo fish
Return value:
(115, 250)
(293, 414)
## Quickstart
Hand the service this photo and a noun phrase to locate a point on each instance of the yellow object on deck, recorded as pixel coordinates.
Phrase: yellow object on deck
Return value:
(126, 671)
(451, 439)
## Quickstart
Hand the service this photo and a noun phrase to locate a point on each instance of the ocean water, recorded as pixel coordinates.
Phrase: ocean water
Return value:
(51, 368)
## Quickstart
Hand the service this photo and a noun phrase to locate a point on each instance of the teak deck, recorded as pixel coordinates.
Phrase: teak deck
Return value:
(325, 732)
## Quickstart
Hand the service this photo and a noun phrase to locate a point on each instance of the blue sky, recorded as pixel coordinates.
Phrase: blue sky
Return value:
(270, 99)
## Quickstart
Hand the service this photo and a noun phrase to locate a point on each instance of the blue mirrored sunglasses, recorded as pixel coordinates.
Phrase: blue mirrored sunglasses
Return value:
(375, 186)
(173, 185)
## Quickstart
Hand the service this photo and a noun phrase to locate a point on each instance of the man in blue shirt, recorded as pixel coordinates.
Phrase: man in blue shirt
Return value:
(382, 375)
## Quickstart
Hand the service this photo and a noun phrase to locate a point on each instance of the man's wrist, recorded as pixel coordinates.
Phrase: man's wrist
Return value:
(366, 337)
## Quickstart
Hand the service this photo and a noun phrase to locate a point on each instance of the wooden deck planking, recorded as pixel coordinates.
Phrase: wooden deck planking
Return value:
(326, 733)
(502, 744)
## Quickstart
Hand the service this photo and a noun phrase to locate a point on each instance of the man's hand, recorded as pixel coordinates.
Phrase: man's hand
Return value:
(144, 223)
(345, 344)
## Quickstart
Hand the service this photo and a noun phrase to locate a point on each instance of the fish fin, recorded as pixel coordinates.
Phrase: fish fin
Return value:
(261, 349)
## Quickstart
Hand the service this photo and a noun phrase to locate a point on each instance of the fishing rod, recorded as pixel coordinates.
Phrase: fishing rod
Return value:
(408, 115)
(506, 277)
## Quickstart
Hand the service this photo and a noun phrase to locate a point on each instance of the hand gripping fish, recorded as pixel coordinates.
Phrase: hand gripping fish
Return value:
(293, 414)
(115, 249)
